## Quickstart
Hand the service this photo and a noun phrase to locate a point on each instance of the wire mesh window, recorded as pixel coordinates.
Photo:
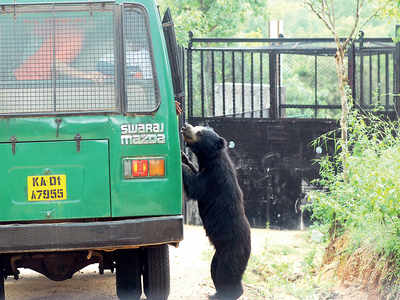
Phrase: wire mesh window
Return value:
(50, 59)
(140, 81)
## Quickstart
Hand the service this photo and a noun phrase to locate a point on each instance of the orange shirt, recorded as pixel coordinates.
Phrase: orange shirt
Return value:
(66, 48)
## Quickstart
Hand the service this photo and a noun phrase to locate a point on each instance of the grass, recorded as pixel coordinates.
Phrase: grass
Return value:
(287, 268)
(300, 265)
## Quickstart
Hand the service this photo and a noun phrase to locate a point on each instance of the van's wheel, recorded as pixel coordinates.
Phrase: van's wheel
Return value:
(128, 274)
(2, 292)
(156, 272)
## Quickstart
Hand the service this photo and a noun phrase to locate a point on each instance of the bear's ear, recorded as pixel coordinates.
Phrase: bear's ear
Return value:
(220, 143)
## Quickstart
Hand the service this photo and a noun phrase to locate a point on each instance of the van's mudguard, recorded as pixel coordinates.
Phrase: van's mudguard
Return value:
(105, 235)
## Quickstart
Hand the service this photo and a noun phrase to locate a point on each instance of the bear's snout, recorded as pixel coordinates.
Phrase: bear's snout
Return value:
(186, 127)
(187, 132)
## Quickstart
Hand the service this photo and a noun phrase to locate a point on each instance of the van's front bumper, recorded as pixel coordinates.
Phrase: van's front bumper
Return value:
(107, 235)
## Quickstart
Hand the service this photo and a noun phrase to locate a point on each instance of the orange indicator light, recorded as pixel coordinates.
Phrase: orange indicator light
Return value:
(156, 168)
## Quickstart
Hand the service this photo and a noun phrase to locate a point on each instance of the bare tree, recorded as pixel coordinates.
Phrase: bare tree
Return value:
(325, 11)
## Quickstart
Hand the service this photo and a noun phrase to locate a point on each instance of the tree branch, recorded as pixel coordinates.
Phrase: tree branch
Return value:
(333, 15)
(327, 10)
(321, 17)
(355, 26)
(380, 8)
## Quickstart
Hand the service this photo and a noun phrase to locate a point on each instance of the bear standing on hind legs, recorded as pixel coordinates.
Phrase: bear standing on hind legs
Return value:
(215, 187)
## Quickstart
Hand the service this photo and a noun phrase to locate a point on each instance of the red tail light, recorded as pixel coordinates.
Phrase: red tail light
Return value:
(140, 168)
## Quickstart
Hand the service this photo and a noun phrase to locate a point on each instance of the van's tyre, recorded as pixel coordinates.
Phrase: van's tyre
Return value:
(2, 292)
(156, 273)
(128, 274)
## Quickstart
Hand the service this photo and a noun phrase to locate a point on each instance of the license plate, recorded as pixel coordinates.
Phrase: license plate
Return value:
(47, 188)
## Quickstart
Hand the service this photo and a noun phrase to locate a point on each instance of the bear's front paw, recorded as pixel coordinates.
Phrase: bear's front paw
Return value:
(185, 158)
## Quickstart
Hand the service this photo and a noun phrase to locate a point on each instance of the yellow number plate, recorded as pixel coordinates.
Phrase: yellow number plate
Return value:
(47, 188)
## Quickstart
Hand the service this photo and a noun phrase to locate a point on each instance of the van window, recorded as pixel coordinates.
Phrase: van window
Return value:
(50, 59)
(141, 86)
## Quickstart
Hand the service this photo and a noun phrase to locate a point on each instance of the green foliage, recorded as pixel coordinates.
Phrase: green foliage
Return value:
(299, 21)
(390, 8)
(249, 18)
(217, 18)
(375, 15)
(366, 202)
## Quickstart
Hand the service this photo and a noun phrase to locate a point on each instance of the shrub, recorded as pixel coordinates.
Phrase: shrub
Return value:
(365, 201)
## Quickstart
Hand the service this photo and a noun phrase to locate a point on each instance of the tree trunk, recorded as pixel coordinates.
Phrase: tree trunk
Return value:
(343, 86)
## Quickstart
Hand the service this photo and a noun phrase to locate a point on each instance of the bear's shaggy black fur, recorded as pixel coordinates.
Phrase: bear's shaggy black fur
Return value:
(215, 187)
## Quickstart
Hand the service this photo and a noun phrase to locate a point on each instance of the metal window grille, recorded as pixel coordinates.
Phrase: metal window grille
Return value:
(140, 81)
(51, 59)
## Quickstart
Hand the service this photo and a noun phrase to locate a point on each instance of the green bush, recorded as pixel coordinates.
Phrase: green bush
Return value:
(364, 200)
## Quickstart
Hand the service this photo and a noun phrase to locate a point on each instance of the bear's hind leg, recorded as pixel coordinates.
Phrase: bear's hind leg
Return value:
(227, 281)
(214, 265)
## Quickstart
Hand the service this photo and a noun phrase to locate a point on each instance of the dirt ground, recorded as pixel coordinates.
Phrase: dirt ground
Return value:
(190, 276)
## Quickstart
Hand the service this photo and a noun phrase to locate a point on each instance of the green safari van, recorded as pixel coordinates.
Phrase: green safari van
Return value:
(89, 143)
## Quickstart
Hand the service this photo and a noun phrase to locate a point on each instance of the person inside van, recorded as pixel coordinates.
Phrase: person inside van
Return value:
(56, 52)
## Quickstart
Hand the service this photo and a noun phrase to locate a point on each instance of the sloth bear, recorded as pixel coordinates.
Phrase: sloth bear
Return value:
(220, 200)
